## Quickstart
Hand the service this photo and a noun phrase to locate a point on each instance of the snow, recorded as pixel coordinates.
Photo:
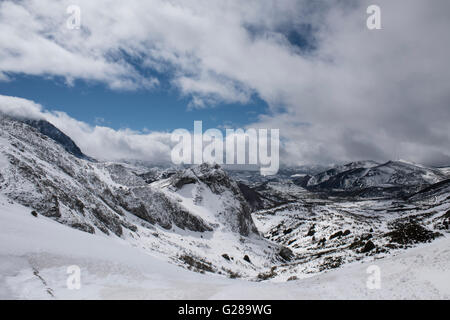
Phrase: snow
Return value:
(35, 254)
(143, 261)
(445, 171)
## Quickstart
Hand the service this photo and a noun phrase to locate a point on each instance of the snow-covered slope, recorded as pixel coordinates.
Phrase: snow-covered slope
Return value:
(35, 254)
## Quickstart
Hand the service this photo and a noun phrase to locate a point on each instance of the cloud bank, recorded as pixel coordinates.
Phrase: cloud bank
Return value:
(342, 93)
(100, 142)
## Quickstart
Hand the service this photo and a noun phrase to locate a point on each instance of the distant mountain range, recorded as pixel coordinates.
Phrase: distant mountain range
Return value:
(371, 179)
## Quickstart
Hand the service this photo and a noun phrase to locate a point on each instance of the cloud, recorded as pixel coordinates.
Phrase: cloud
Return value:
(352, 94)
(205, 44)
(373, 94)
(21, 108)
(100, 142)
(35, 40)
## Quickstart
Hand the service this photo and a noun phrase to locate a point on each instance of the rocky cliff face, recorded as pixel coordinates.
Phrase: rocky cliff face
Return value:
(212, 182)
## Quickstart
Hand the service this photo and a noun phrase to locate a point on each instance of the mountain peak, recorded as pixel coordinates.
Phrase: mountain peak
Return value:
(49, 130)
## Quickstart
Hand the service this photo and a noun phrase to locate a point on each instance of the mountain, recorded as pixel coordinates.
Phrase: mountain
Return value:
(284, 174)
(204, 219)
(370, 179)
(351, 213)
(185, 217)
(328, 174)
(212, 189)
(49, 130)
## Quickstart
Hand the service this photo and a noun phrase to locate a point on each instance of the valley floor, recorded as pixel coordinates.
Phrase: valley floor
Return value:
(36, 252)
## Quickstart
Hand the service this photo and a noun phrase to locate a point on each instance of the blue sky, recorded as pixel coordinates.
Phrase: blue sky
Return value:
(158, 109)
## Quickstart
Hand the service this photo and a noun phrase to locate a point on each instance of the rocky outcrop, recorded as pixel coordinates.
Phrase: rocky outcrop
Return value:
(233, 209)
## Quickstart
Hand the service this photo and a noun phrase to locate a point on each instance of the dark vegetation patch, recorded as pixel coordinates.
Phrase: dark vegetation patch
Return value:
(443, 222)
(411, 233)
(267, 275)
(83, 227)
(232, 274)
(331, 263)
(197, 264)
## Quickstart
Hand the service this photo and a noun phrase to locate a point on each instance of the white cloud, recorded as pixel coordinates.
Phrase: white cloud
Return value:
(360, 94)
(21, 108)
(100, 142)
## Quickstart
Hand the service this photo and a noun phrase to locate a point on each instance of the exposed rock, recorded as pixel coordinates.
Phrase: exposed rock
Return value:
(226, 257)
(311, 231)
(336, 235)
(83, 227)
(322, 242)
(49, 130)
(253, 197)
(368, 247)
(237, 212)
(286, 254)
(108, 220)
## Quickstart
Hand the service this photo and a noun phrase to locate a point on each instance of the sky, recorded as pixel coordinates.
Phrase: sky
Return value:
(158, 109)
(134, 71)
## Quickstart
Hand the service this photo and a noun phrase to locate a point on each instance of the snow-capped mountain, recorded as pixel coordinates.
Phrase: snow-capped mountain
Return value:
(185, 217)
(206, 220)
(328, 174)
(370, 179)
